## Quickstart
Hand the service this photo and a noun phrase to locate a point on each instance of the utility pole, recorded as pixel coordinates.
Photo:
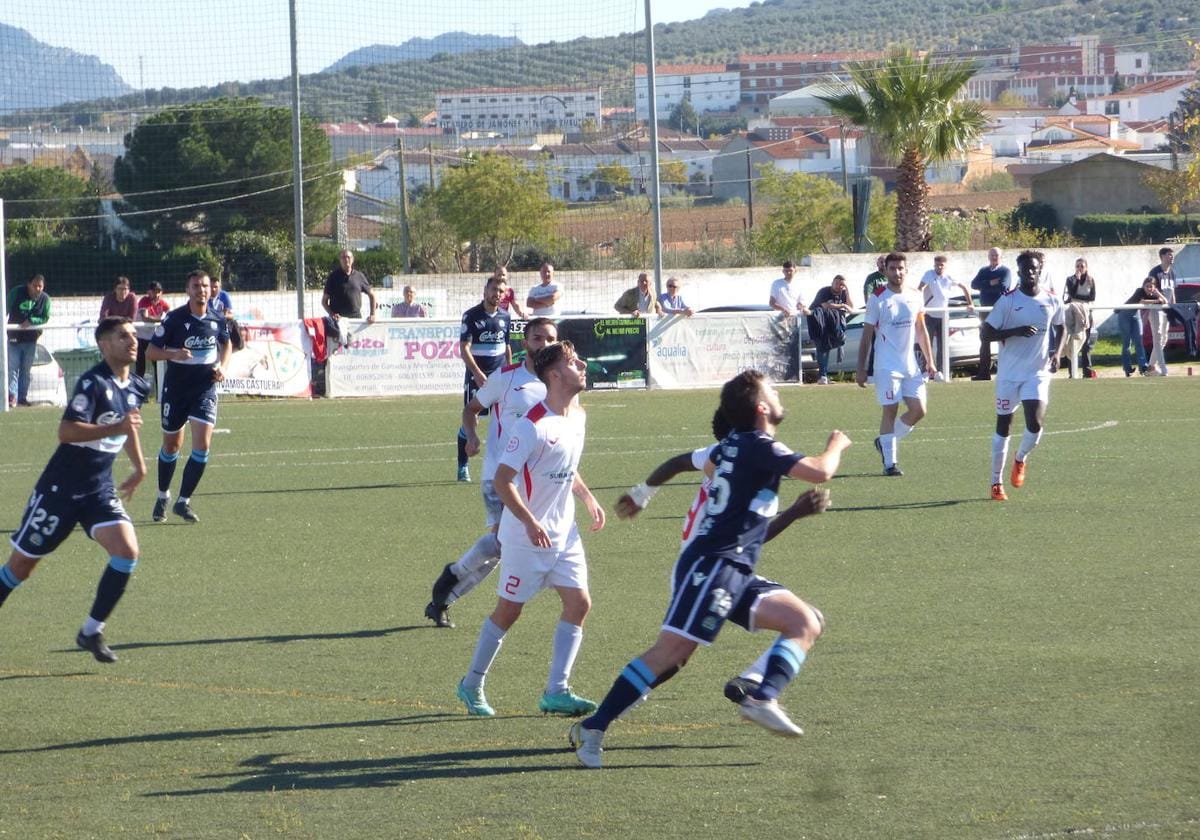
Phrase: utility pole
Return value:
(845, 176)
(297, 164)
(749, 183)
(404, 255)
(655, 189)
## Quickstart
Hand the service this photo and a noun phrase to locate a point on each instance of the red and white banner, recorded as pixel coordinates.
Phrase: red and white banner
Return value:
(274, 362)
(417, 356)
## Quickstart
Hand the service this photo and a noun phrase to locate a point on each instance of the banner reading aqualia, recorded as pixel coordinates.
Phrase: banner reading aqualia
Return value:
(708, 350)
(273, 361)
(418, 356)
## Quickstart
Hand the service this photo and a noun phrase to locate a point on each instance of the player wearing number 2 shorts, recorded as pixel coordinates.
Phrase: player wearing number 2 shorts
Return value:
(1021, 320)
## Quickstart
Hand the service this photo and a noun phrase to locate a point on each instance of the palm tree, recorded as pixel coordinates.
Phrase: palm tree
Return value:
(907, 102)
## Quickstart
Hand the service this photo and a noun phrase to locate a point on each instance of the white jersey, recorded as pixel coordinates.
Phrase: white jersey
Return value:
(939, 288)
(894, 317)
(544, 448)
(783, 294)
(1024, 356)
(508, 394)
(543, 292)
(699, 457)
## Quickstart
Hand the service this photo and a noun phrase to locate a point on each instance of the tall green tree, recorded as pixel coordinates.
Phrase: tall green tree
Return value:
(495, 202)
(615, 176)
(41, 201)
(907, 104)
(808, 214)
(221, 166)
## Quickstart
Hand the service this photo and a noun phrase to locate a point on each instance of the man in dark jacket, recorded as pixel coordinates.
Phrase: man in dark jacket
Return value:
(28, 306)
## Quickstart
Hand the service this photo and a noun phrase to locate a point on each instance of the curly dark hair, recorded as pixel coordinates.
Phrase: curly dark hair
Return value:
(739, 400)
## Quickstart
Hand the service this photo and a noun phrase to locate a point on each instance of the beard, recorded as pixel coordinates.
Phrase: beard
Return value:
(776, 417)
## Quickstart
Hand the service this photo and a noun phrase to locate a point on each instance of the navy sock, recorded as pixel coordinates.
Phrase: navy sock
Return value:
(112, 587)
(192, 473)
(8, 582)
(166, 469)
(628, 688)
(783, 663)
(462, 447)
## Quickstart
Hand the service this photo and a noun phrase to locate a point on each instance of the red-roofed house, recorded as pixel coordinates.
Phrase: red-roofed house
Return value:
(1148, 101)
(813, 151)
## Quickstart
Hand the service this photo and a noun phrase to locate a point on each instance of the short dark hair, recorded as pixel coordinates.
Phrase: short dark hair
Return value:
(1162, 252)
(788, 264)
(1030, 255)
(720, 426)
(198, 272)
(154, 286)
(895, 257)
(549, 356)
(739, 399)
(109, 325)
(540, 322)
(121, 278)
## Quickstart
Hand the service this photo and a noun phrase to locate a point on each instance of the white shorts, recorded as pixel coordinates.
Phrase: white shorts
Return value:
(524, 571)
(893, 386)
(492, 506)
(1010, 393)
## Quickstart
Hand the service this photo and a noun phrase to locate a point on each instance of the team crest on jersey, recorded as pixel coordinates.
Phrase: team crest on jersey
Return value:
(513, 443)
(159, 332)
(108, 394)
(80, 403)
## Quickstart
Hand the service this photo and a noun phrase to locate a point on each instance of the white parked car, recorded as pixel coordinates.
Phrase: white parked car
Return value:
(47, 383)
(963, 342)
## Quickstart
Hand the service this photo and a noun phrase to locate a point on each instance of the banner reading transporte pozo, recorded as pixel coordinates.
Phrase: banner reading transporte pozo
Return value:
(273, 362)
(418, 356)
(707, 350)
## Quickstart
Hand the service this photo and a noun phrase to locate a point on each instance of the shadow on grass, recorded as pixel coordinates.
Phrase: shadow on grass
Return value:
(272, 772)
(932, 503)
(271, 640)
(391, 485)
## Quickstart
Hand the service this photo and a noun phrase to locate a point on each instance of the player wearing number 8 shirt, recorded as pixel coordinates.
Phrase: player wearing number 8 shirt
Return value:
(194, 341)
(536, 480)
(714, 577)
(101, 419)
(1021, 320)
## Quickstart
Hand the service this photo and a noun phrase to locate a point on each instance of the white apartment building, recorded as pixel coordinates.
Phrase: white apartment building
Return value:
(710, 88)
(519, 111)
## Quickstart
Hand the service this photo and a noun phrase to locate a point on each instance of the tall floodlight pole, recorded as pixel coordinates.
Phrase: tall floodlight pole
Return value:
(3, 305)
(655, 194)
(297, 165)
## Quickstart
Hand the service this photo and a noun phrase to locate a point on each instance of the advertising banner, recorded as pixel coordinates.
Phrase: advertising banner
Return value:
(417, 356)
(614, 349)
(707, 350)
(273, 361)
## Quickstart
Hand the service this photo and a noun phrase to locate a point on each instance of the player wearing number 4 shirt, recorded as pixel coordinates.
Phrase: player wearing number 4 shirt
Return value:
(714, 577)
(76, 487)
(894, 322)
(194, 342)
(536, 480)
(508, 395)
(1022, 321)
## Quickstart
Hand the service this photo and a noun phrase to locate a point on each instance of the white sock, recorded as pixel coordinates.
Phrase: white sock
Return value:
(474, 566)
(490, 639)
(91, 627)
(999, 456)
(183, 500)
(1029, 440)
(888, 442)
(567, 639)
(902, 430)
(164, 494)
(757, 668)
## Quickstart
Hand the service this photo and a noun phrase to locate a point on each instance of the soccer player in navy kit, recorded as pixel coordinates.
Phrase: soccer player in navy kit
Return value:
(714, 577)
(194, 341)
(101, 419)
(483, 345)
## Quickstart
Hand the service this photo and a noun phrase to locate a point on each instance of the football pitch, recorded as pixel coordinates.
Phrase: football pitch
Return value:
(1028, 669)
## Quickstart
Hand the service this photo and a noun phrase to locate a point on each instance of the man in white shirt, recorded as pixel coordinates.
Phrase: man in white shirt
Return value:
(785, 299)
(507, 395)
(894, 322)
(1021, 321)
(540, 544)
(938, 287)
(543, 298)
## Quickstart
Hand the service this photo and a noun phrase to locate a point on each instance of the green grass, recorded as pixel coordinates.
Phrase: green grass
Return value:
(1028, 669)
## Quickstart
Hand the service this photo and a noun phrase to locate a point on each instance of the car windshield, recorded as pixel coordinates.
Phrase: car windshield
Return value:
(1187, 292)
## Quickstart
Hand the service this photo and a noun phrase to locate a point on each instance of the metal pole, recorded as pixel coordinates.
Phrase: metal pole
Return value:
(297, 165)
(4, 304)
(407, 261)
(749, 183)
(845, 175)
(655, 194)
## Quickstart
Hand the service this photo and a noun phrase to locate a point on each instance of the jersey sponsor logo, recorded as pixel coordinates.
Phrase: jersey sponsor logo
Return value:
(552, 441)
(200, 342)
(491, 337)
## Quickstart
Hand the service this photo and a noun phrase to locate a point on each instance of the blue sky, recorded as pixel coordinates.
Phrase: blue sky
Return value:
(203, 42)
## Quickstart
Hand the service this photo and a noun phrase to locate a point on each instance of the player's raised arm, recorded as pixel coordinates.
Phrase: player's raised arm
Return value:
(817, 469)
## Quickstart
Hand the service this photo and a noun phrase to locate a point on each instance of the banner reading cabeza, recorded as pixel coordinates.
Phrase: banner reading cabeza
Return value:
(415, 357)
(273, 361)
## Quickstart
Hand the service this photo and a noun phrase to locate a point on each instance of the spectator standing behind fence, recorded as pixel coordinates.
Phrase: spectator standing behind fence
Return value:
(1130, 322)
(827, 322)
(342, 298)
(28, 306)
(543, 298)
(785, 298)
(120, 302)
(409, 308)
(671, 301)
(1163, 276)
(876, 280)
(991, 281)
(639, 300)
(938, 287)
(508, 301)
(1080, 289)
(152, 308)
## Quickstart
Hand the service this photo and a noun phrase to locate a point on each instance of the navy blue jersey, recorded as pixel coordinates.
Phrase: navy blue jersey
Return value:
(101, 399)
(488, 333)
(743, 496)
(204, 335)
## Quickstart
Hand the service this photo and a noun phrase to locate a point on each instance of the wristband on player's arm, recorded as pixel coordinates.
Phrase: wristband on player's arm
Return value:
(642, 494)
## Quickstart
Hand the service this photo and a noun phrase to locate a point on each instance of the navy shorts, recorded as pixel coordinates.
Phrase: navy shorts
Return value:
(707, 591)
(179, 405)
(53, 511)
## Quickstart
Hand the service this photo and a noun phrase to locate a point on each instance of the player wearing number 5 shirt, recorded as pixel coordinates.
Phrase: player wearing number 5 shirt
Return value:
(194, 342)
(536, 479)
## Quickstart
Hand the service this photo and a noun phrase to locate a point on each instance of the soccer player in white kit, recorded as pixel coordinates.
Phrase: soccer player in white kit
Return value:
(1021, 321)
(894, 322)
(508, 393)
(540, 545)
